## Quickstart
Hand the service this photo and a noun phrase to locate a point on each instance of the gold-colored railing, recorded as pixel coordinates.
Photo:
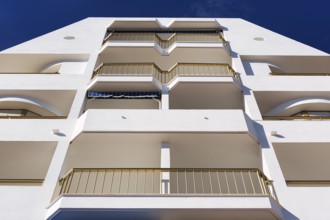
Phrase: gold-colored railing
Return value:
(188, 37)
(296, 117)
(31, 117)
(150, 69)
(307, 182)
(183, 181)
(21, 181)
(299, 74)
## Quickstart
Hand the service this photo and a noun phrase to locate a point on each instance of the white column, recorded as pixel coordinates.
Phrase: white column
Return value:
(165, 98)
(165, 162)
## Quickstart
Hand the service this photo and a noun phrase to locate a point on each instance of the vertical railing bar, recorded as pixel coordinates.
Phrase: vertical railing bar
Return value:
(235, 181)
(185, 176)
(137, 181)
(105, 173)
(66, 180)
(267, 186)
(89, 173)
(254, 191)
(120, 180)
(161, 182)
(129, 179)
(113, 176)
(61, 182)
(264, 184)
(202, 182)
(211, 182)
(177, 181)
(243, 182)
(219, 182)
(258, 176)
(69, 182)
(62, 186)
(145, 181)
(227, 182)
(152, 180)
(78, 182)
(194, 179)
(97, 174)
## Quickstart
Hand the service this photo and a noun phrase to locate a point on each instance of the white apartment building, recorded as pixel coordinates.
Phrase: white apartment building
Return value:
(164, 119)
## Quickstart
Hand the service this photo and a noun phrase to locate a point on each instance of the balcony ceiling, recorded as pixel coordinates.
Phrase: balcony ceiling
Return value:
(189, 150)
(60, 100)
(268, 100)
(124, 84)
(34, 63)
(289, 64)
(205, 95)
(151, 55)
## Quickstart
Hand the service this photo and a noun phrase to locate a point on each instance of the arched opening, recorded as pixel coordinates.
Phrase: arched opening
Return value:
(24, 106)
(308, 108)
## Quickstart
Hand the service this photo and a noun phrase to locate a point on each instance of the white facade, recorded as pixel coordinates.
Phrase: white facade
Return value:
(145, 118)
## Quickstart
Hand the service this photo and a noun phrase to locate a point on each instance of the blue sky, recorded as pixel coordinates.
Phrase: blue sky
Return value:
(307, 21)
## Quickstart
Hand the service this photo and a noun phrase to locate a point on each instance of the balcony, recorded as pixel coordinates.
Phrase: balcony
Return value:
(228, 176)
(142, 194)
(165, 77)
(166, 39)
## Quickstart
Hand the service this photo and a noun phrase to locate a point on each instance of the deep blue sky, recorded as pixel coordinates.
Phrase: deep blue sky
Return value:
(307, 21)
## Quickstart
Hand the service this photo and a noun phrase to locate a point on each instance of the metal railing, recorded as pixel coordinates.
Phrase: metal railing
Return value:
(296, 117)
(176, 37)
(21, 181)
(299, 74)
(31, 117)
(158, 181)
(25, 114)
(150, 69)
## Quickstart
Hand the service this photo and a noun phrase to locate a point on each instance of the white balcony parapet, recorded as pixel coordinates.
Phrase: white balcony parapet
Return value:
(110, 120)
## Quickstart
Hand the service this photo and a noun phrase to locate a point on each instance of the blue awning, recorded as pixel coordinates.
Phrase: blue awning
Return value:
(123, 95)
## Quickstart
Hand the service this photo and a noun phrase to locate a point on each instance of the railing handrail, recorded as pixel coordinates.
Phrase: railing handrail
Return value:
(166, 43)
(169, 169)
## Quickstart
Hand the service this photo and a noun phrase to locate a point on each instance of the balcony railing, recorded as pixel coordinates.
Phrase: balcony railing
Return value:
(169, 40)
(24, 114)
(183, 181)
(150, 69)
(33, 117)
(296, 117)
(299, 74)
